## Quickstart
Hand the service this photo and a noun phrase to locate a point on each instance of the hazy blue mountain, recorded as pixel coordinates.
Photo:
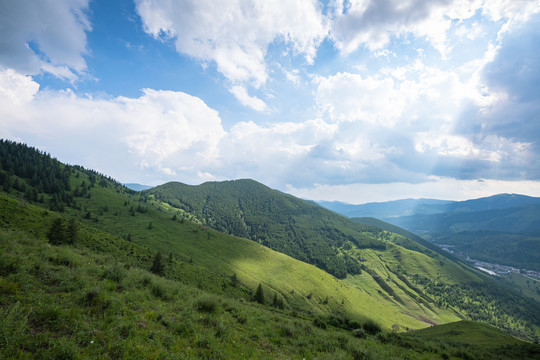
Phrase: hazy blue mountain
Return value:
(137, 187)
(389, 209)
(500, 201)
(524, 218)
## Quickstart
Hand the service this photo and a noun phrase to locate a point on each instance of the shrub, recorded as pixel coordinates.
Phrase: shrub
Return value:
(159, 291)
(371, 327)
(359, 333)
(320, 322)
(115, 273)
(207, 304)
(358, 353)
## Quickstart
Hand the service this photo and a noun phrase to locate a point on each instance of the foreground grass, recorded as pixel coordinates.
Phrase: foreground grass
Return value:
(67, 303)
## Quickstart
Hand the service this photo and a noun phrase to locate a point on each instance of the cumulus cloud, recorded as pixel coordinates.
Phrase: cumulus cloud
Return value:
(373, 23)
(245, 99)
(44, 36)
(235, 34)
(165, 132)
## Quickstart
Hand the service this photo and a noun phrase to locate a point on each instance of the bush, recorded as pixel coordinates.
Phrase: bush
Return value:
(159, 291)
(115, 273)
(207, 304)
(359, 333)
(371, 327)
(320, 323)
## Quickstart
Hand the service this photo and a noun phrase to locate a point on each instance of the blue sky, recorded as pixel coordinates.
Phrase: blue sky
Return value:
(356, 101)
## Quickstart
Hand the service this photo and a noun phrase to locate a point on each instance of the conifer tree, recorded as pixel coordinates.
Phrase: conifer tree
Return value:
(259, 295)
(158, 266)
(57, 232)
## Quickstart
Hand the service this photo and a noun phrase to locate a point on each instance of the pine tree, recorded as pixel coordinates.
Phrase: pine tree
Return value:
(259, 295)
(57, 232)
(234, 280)
(158, 267)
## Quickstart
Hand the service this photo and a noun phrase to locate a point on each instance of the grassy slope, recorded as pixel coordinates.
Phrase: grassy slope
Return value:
(467, 333)
(65, 302)
(427, 264)
(391, 300)
(94, 299)
(527, 286)
(250, 261)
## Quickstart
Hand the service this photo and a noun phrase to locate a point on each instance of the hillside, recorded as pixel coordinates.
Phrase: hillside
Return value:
(94, 299)
(413, 275)
(282, 222)
(397, 287)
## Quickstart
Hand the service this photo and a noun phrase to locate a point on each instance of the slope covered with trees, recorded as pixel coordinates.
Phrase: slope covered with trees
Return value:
(282, 222)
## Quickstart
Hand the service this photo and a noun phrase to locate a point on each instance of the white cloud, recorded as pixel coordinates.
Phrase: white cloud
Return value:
(235, 34)
(245, 99)
(165, 132)
(351, 97)
(461, 147)
(373, 23)
(48, 36)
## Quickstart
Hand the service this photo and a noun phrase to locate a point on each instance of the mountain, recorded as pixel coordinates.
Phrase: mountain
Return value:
(90, 268)
(389, 209)
(307, 232)
(502, 229)
(137, 187)
(411, 207)
(515, 219)
(282, 222)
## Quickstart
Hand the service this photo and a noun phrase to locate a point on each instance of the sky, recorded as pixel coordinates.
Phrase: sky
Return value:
(354, 101)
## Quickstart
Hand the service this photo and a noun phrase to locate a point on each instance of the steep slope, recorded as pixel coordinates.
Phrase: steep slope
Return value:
(95, 298)
(414, 278)
(287, 224)
(92, 299)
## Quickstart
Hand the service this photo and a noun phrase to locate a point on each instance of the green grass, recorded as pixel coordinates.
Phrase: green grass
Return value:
(467, 333)
(89, 305)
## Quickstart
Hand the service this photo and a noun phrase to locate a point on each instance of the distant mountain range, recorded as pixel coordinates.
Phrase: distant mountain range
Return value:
(503, 228)
(389, 209)
(137, 187)
(408, 207)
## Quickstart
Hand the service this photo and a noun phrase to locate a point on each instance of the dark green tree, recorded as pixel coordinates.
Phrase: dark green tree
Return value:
(158, 266)
(57, 232)
(259, 295)
(234, 280)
